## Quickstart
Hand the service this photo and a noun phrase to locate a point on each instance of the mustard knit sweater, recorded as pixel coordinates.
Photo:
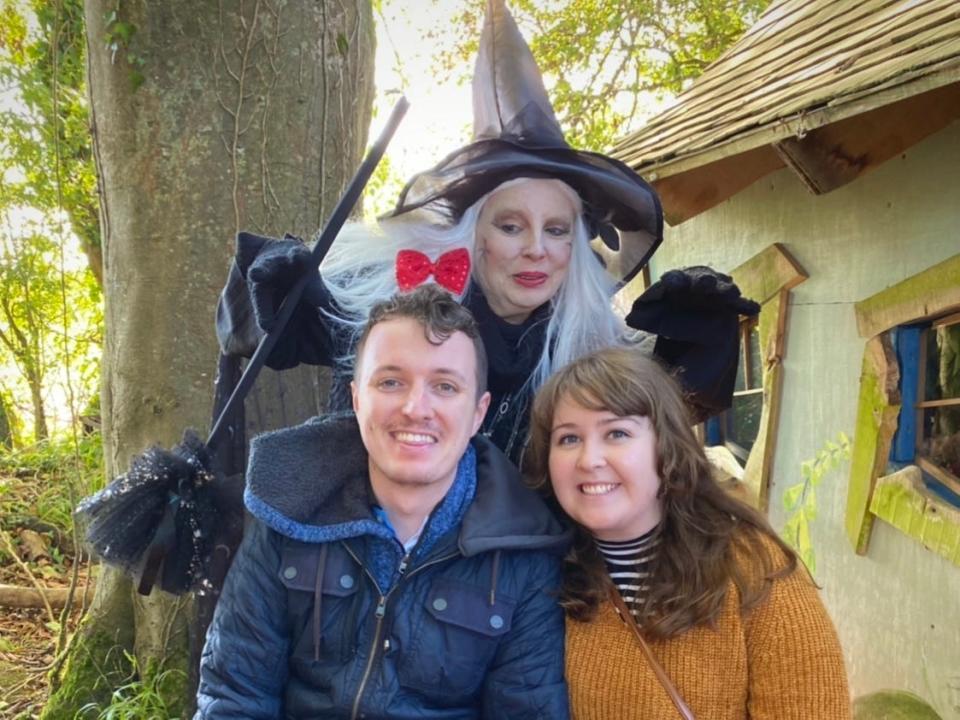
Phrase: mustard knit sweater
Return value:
(780, 661)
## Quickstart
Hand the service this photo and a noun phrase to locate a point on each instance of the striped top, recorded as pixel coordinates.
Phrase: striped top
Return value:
(628, 563)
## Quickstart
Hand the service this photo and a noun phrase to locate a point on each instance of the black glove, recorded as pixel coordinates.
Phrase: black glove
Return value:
(271, 268)
(695, 313)
(685, 304)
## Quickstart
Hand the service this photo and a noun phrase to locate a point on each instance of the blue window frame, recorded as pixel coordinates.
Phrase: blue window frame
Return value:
(928, 428)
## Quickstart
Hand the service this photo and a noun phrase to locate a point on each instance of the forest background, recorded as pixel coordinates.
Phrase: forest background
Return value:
(112, 114)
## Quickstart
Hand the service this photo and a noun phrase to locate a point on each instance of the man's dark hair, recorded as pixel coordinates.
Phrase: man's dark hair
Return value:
(440, 316)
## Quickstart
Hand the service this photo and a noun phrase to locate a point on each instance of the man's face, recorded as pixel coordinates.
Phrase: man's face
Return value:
(416, 403)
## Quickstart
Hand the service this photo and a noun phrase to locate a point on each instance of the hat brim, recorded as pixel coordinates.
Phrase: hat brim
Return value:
(612, 193)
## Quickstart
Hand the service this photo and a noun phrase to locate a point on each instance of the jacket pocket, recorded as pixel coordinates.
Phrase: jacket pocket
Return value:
(299, 567)
(457, 640)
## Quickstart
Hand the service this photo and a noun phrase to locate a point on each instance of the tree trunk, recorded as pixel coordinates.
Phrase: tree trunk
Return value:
(6, 423)
(35, 381)
(207, 118)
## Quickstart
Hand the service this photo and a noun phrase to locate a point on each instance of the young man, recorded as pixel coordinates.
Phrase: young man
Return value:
(395, 567)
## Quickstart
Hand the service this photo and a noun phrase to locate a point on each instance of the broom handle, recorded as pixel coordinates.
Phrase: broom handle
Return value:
(324, 241)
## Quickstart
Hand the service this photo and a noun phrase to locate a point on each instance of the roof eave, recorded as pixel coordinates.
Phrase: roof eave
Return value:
(800, 123)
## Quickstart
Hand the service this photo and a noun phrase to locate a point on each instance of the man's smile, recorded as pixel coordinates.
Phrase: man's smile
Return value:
(413, 438)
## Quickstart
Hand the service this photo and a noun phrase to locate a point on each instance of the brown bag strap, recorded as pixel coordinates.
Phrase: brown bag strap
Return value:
(658, 670)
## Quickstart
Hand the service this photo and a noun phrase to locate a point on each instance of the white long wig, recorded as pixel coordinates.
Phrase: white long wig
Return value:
(359, 272)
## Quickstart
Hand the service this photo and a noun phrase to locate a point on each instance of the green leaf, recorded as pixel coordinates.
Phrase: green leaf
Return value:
(810, 505)
(790, 531)
(123, 30)
(804, 544)
(791, 497)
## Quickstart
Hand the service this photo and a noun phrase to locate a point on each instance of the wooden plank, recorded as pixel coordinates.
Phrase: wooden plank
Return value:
(768, 277)
(877, 409)
(799, 95)
(711, 93)
(848, 149)
(939, 474)
(791, 121)
(768, 273)
(759, 467)
(806, 94)
(902, 500)
(838, 111)
(923, 296)
(710, 96)
(765, 89)
(945, 402)
(684, 196)
(948, 320)
(29, 597)
(736, 104)
(824, 68)
(790, 41)
(819, 167)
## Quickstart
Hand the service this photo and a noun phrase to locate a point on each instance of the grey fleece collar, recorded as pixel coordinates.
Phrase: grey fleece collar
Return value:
(314, 476)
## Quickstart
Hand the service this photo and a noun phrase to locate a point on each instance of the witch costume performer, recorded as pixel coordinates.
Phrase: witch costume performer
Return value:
(530, 234)
(618, 224)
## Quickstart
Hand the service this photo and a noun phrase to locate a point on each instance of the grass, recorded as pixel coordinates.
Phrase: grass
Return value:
(139, 698)
(39, 486)
(42, 482)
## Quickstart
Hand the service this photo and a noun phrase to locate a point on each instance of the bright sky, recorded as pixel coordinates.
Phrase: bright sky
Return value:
(440, 116)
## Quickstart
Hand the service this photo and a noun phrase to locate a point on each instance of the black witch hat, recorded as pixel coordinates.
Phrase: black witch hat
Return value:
(516, 134)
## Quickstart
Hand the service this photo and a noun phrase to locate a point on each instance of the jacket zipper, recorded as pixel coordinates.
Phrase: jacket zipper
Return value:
(380, 611)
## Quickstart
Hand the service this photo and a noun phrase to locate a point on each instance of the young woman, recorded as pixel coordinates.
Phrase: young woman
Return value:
(729, 615)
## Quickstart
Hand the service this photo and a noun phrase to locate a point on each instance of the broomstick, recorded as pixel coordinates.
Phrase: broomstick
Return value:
(162, 511)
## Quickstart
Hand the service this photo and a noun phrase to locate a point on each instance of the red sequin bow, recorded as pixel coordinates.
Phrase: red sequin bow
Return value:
(451, 269)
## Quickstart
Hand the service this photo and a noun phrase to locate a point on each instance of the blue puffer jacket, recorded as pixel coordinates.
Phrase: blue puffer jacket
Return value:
(323, 616)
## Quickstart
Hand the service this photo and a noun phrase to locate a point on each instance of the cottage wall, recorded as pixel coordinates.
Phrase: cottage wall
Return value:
(897, 609)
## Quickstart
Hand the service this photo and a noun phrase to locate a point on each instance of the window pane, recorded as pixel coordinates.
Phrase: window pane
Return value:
(942, 376)
(756, 372)
(941, 437)
(749, 356)
(743, 420)
(741, 383)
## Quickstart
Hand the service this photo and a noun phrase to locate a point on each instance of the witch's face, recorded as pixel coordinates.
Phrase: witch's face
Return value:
(524, 240)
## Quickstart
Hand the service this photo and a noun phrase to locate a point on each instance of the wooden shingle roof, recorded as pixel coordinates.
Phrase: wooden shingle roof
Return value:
(803, 65)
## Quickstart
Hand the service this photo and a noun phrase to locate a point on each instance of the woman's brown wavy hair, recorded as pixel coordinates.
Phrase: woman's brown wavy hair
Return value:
(708, 537)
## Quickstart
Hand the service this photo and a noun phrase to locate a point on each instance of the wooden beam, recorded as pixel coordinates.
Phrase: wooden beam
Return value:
(877, 410)
(690, 193)
(28, 597)
(769, 272)
(780, 128)
(833, 155)
(819, 167)
(825, 158)
(902, 500)
(768, 277)
(932, 292)
(939, 474)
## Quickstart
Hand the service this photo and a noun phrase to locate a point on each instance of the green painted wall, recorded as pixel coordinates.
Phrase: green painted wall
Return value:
(898, 608)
